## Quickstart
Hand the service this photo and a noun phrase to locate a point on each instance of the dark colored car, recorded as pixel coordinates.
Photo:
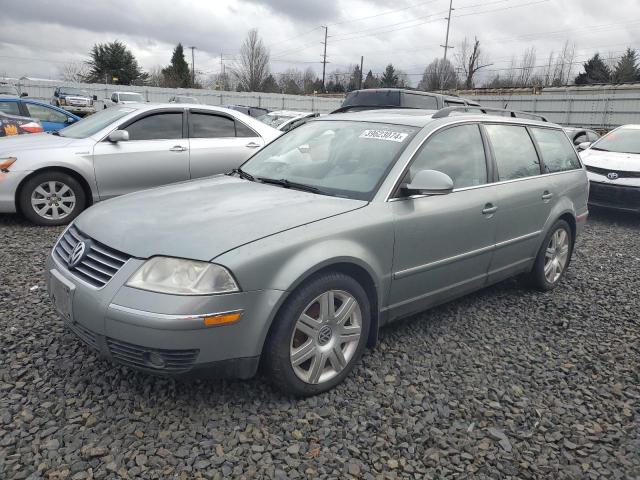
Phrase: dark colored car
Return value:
(74, 100)
(52, 118)
(376, 98)
(16, 125)
(251, 111)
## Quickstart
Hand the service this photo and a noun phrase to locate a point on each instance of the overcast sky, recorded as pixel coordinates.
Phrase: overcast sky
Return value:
(38, 37)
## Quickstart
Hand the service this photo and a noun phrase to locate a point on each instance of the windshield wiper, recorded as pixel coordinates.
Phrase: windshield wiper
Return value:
(242, 174)
(600, 149)
(57, 134)
(288, 184)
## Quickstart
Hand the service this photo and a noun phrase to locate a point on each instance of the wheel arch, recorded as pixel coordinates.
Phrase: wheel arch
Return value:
(73, 173)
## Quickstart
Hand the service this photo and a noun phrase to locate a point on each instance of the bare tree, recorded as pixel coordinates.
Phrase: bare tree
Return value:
(253, 66)
(74, 71)
(563, 68)
(470, 59)
(156, 77)
(526, 68)
(439, 75)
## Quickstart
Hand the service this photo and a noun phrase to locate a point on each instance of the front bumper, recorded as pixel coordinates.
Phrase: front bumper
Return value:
(119, 322)
(9, 183)
(619, 197)
(79, 110)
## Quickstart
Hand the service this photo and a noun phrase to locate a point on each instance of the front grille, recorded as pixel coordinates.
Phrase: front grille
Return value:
(87, 336)
(173, 361)
(614, 196)
(605, 172)
(100, 263)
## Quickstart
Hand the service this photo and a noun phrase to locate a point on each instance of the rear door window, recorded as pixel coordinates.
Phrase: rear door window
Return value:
(45, 114)
(10, 108)
(557, 152)
(513, 150)
(243, 131)
(211, 126)
(458, 152)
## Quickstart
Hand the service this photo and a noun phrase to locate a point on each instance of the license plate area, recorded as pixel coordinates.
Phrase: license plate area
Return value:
(61, 292)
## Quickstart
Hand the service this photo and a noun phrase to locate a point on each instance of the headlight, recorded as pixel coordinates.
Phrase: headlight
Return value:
(182, 277)
(62, 101)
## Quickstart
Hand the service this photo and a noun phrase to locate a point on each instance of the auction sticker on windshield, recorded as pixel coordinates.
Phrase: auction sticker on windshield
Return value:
(384, 135)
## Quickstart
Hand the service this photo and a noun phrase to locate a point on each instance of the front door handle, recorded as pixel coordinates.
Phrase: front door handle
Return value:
(547, 195)
(489, 209)
(178, 148)
(252, 145)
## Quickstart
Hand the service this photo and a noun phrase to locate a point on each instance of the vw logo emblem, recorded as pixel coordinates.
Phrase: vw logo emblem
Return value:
(324, 335)
(612, 176)
(77, 254)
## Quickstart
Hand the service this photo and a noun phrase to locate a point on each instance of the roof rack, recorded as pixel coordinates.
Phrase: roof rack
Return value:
(445, 112)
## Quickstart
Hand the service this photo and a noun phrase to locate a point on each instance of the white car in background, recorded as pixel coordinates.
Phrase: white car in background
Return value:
(123, 98)
(613, 167)
(285, 120)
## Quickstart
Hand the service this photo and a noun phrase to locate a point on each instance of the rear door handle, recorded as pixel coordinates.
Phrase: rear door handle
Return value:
(547, 195)
(489, 209)
(178, 148)
(252, 145)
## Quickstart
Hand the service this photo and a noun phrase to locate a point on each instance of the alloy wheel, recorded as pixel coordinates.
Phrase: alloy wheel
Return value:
(326, 336)
(53, 200)
(556, 255)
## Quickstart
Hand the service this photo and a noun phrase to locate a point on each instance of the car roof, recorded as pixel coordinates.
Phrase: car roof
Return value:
(420, 118)
(289, 113)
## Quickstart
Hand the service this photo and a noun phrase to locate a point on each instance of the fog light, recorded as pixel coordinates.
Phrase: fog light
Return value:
(222, 319)
(154, 359)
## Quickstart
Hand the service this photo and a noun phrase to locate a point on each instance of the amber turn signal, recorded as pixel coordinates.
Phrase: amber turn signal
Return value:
(222, 319)
(6, 162)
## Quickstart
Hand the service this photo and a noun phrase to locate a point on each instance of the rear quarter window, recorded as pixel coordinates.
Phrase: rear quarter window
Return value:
(557, 152)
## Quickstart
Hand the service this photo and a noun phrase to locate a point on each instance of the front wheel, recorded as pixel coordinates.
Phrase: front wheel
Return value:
(319, 335)
(51, 198)
(553, 258)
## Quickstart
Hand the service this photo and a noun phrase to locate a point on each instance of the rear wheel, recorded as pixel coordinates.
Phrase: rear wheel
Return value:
(553, 258)
(319, 336)
(51, 198)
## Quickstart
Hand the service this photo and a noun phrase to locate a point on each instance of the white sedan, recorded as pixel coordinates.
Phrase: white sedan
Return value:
(613, 166)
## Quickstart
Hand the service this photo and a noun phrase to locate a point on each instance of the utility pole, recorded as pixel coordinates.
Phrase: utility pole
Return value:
(193, 68)
(324, 57)
(361, 64)
(446, 44)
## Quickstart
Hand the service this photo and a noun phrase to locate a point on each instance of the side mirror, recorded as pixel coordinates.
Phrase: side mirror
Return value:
(430, 182)
(56, 94)
(24, 94)
(584, 145)
(95, 97)
(118, 136)
(70, 120)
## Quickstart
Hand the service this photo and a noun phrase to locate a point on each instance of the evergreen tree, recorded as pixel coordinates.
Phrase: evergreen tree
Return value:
(595, 71)
(270, 85)
(389, 78)
(114, 60)
(371, 81)
(355, 80)
(178, 74)
(627, 68)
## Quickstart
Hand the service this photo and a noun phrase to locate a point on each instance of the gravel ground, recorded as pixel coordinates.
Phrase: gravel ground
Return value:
(505, 383)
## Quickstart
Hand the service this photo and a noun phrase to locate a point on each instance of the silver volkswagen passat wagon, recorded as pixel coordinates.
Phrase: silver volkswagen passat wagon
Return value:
(295, 260)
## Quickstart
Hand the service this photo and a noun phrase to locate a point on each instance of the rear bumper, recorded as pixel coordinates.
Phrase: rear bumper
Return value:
(613, 196)
(9, 183)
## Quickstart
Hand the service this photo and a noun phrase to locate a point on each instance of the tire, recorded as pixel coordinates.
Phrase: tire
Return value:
(317, 344)
(541, 277)
(38, 206)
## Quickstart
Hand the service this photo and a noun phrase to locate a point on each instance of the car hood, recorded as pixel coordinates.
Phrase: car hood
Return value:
(625, 162)
(12, 145)
(204, 218)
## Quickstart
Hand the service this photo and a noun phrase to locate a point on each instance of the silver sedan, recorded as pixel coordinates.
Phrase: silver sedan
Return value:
(51, 178)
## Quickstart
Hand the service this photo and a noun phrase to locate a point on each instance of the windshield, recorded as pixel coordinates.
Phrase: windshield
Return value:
(8, 90)
(622, 140)
(131, 97)
(275, 120)
(74, 91)
(94, 123)
(341, 158)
